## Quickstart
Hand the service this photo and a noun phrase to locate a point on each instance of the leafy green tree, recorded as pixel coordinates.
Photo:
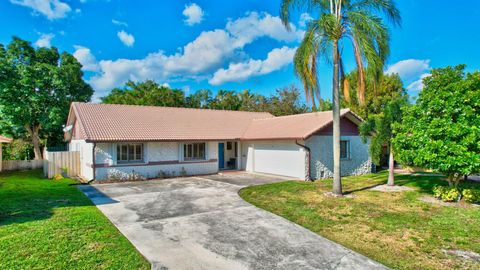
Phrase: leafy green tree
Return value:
(145, 93)
(225, 100)
(379, 128)
(199, 99)
(378, 92)
(36, 89)
(286, 101)
(442, 130)
(358, 22)
(17, 150)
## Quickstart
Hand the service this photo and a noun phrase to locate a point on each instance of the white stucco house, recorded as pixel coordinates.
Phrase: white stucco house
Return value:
(121, 141)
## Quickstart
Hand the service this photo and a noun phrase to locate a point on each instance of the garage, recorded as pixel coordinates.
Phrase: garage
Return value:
(280, 158)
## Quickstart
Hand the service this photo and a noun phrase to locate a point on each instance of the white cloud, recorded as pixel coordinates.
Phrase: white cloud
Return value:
(255, 25)
(200, 58)
(237, 72)
(417, 85)
(86, 58)
(44, 40)
(52, 9)
(126, 38)
(304, 19)
(116, 22)
(193, 13)
(409, 69)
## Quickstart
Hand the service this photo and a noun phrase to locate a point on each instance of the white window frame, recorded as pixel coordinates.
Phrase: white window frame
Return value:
(347, 150)
(191, 151)
(129, 159)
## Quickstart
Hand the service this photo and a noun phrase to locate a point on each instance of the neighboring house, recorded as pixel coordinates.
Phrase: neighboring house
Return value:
(121, 141)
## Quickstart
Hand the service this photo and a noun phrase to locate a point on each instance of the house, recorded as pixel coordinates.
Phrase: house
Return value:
(122, 141)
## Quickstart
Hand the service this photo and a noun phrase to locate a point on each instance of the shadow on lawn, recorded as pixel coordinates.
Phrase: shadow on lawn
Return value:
(27, 196)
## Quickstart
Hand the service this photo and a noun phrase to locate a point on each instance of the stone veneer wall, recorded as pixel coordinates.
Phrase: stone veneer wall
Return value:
(321, 162)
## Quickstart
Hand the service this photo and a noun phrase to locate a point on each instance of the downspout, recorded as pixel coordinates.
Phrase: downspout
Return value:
(93, 161)
(308, 159)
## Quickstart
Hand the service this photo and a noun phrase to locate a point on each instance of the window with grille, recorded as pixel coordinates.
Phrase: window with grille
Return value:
(344, 149)
(129, 152)
(194, 151)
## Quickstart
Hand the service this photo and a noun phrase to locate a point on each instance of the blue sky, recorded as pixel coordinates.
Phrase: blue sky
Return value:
(231, 45)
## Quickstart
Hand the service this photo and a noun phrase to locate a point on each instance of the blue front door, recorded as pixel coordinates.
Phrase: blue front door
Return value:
(221, 155)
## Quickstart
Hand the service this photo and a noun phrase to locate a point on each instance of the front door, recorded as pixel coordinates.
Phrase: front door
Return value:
(221, 155)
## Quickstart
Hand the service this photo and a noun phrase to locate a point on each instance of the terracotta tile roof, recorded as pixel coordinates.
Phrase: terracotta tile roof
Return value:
(105, 122)
(5, 139)
(299, 126)
(108, 122)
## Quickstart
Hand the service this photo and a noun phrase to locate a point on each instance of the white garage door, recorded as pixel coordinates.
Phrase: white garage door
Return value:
(279, 158)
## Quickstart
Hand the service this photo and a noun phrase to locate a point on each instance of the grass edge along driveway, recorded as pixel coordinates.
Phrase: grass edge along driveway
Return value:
(396, 229)
(50, 224)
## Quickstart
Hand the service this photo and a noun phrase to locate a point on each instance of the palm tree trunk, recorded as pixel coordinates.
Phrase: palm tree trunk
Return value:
(337, 181)
(391, 167)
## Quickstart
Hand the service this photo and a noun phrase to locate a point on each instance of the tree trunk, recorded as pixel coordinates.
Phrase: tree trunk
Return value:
(314, 106)
(337, 180)
(391, 167)
(33, 132)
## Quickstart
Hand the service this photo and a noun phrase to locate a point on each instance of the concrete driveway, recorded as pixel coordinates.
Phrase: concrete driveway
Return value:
(202, 223)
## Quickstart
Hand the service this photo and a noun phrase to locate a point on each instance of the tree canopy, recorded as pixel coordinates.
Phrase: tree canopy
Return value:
(285, 101)
(36, 89)
(442, 130)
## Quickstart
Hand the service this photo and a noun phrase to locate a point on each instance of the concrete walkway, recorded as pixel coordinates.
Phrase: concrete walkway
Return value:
(202, 223)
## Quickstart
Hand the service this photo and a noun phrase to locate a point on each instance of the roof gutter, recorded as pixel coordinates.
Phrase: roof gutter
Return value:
(308, 159)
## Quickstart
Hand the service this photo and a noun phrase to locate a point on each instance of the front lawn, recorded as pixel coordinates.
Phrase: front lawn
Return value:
(396, 229)
(50, 224)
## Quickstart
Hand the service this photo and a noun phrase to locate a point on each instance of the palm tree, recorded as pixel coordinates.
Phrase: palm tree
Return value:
(359, 22)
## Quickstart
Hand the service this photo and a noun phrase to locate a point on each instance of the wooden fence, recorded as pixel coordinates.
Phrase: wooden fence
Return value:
(64, 163)
(14, 165)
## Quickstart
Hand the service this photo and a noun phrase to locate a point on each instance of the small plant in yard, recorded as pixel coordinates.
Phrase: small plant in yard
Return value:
(451, 195)
(471, 195)
(183, 172)
(57, 177)
(446, 194)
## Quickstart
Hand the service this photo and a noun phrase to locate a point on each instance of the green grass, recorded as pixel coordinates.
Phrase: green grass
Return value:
(396, 229)
(50, 224)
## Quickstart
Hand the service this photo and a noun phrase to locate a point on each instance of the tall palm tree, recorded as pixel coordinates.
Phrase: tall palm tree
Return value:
(358, 22)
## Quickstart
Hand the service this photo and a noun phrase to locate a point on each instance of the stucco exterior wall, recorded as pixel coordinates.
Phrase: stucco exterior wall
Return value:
(321, 162)
(160, 158)
(86, 157)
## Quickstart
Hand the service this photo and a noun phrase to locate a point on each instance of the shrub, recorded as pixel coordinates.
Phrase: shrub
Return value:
(446, 194)
(183, 172)
(438, 191)
(451, 195)
(471, 195)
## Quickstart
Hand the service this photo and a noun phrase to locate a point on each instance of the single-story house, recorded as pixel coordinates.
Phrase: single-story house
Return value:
(125, 141)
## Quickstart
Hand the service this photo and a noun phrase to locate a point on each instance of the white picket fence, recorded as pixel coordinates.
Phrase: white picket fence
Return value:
(65, 163)
(16, 165)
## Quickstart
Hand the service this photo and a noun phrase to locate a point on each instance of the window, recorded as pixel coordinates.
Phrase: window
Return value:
(344, 149)
(194, 151)
(229, 145)
(130, 152)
